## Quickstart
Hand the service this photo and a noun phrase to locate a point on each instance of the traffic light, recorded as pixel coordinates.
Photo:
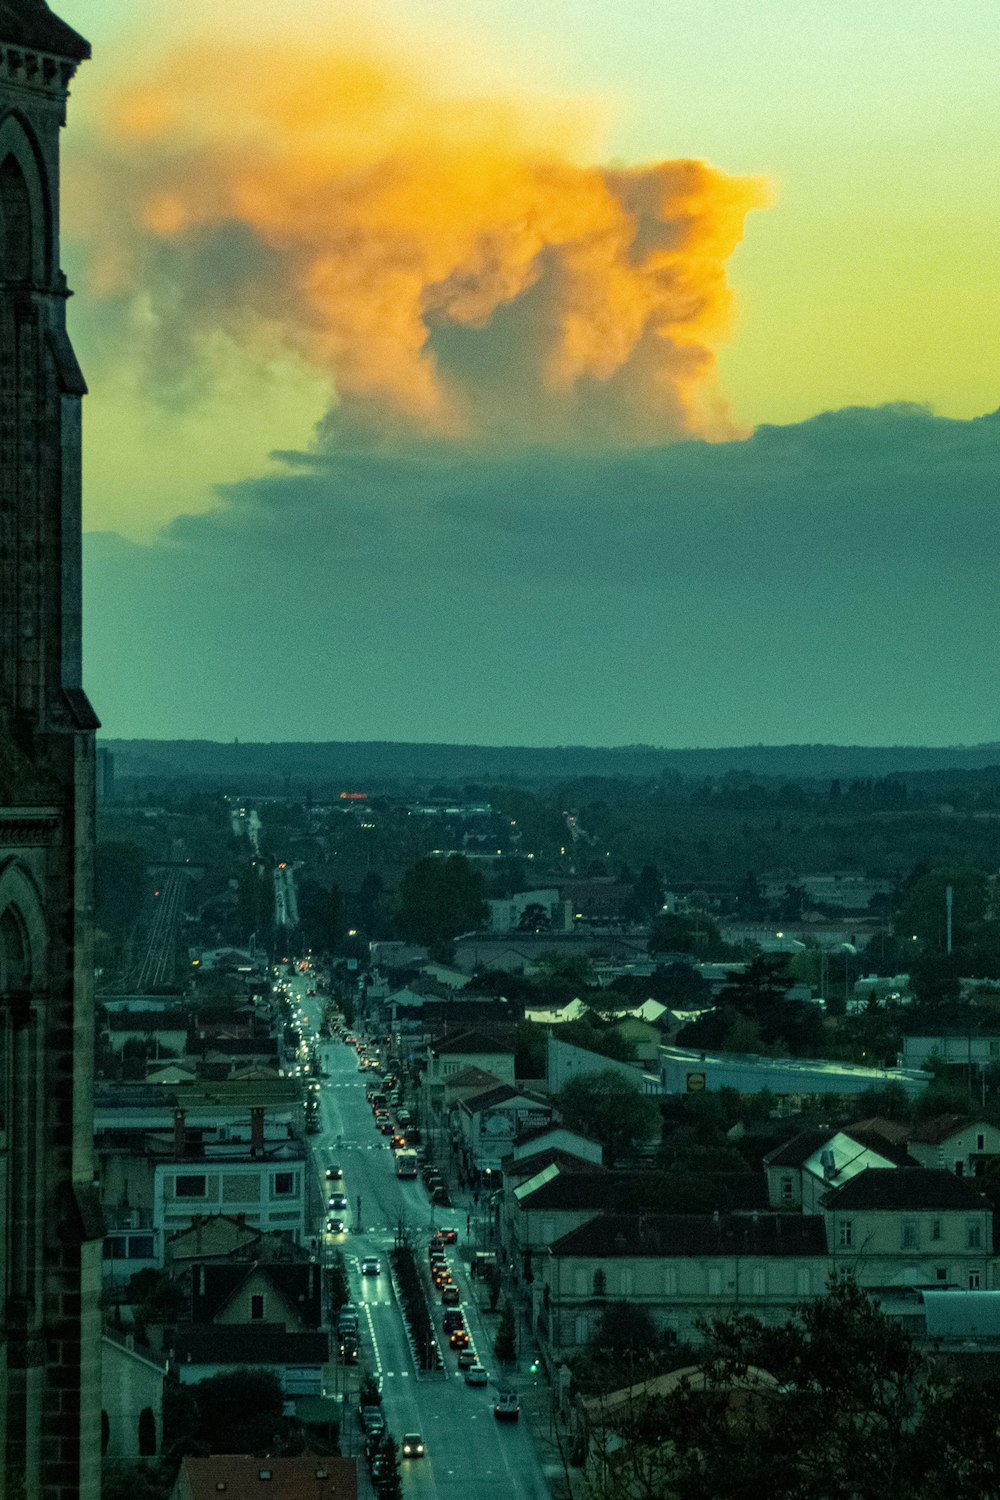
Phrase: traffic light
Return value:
(533, 1367)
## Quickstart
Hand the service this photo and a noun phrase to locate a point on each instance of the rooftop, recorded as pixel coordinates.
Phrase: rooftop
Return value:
(238, 1476)
(626, 1236)
(908, 1188)
(30, 23)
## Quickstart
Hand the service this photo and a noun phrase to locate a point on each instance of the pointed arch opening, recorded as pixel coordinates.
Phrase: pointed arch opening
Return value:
(16, 250)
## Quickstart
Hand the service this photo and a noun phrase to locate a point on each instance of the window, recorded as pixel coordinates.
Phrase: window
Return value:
(959, 1168)
(975, 1281)
(980, 1143)
(625, 1287)
(600, 1284)
(759, 1281)
(845, 1234)
(256, 1307)
(140, 1247)
(190, 1187)
(803, 1282)
(940, 1273)
(787, 1189)
(935, 1229)
(974, 1235)
(909, 1234)
(284, 1184)
(670, 1281)
(715, 1283)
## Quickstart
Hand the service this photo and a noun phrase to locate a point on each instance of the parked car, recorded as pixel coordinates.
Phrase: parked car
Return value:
(476, 1375)
(413, 1445)
(372, 1420)
(508, 1407)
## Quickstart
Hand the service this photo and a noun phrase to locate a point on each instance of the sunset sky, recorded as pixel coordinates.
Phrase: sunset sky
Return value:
(540, 372)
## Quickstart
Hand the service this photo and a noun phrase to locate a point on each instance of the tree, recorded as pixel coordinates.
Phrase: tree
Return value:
(390, 1483)
(646, 900)
(694, 933)
(610, 1108)
(321, 916)
(240, 1411)
(836, 1404)
(505, 1343)
(534, 918)
(438, 899)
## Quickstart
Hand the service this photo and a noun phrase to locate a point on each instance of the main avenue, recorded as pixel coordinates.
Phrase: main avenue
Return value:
(467, 1451)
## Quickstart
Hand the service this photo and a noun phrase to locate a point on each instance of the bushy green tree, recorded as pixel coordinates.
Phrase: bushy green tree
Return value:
(505, 1343)
(440, 898)
(611, 1109)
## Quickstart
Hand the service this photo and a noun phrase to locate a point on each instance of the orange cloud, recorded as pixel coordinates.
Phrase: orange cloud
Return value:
(447, 261)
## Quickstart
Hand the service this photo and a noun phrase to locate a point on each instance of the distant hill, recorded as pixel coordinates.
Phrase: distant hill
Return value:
(381, 763)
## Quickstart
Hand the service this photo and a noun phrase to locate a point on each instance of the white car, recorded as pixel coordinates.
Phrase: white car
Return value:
(476, 1375)
(371, 1266)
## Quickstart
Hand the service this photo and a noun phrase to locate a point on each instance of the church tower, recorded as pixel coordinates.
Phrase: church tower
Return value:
(50, 1226)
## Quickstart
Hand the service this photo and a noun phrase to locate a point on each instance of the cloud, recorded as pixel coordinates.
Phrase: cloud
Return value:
(449, 262)
(832, 580)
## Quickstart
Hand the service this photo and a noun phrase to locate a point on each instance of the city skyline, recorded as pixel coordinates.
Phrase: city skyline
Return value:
(412, 402)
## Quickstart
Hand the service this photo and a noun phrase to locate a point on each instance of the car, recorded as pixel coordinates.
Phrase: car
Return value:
(453, 1319)
(440, 1195)
(371, 1266)
(458, 1338)
(337, 1200)
(398, 1142)
(476, 1375)
(334, 1226)
(349, 1349)
(334, 1172)
(467, 1358)
(441, 1277)
(413, 1445)
(450, 1295)
(385, 1126)
(448, 1236)
(372, 1420)
(507, 1407)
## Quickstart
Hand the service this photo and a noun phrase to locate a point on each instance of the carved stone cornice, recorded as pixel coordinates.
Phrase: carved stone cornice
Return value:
(29, 828)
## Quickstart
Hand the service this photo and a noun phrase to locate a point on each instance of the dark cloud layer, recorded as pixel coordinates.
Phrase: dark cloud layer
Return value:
(832, 580)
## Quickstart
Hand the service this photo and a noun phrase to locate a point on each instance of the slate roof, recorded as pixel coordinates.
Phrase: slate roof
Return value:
(797, 1151)
(248, 1344)
(940, 1128)
(626, 1236)
(214, 1286)
(30, 23)
(912, 1188)
(147, 1020)
(631, 1191)
(539, 1130)
(520, 1168)
(469, 1041)
(502, 1093)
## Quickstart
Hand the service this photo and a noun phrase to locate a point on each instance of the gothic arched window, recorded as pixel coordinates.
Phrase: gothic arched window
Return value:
(15, 220)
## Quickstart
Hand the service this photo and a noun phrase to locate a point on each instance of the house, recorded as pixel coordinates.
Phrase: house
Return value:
(554, 914)
(286, 1294)
(131, 1399)
(960, 1143)
(913, 1228)
(681, 1268)
(552, 1137)
(447, 1056)
(802, 1170)
(488, 1122)
(544, 1208)
(236, 1477)
(212, 1237)
(297, 1358)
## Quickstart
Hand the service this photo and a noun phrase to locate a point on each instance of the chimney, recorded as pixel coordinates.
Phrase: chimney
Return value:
(256, 1132)
(179, 1135)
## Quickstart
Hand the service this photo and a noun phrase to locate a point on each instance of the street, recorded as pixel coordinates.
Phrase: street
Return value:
(469, 1454)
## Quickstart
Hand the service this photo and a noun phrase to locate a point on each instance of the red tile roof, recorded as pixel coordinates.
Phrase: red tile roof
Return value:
(236, 1476)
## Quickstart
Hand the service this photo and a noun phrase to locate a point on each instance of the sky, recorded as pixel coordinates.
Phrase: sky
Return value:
(541, 373)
